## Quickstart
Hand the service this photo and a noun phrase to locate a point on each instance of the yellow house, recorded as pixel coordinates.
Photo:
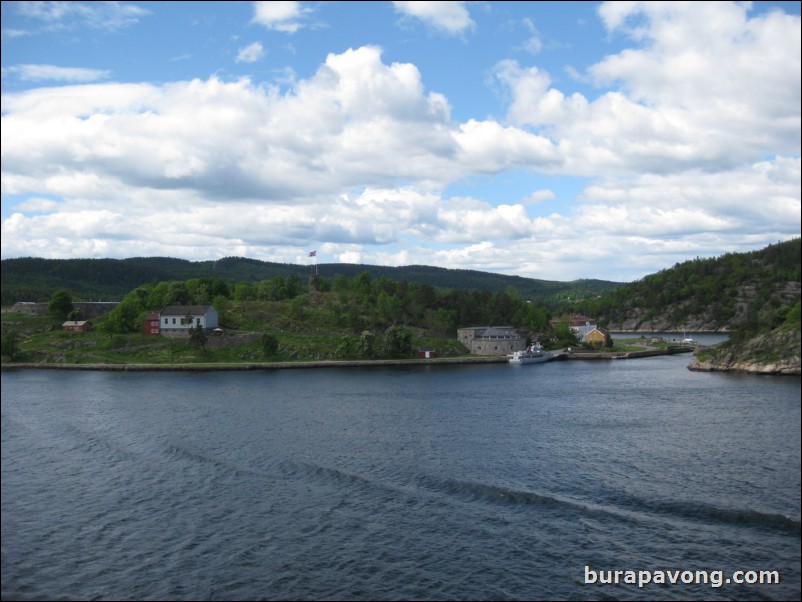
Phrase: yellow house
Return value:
(597, 336)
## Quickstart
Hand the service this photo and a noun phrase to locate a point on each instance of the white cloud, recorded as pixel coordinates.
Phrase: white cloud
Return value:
(346, 126)
(533, 44)
(34, 204)
(53, 73)
(280, 15)
(741, 200)
(15, 33)
(451, 17)
(356, 160)
(538, 196)
(99, 15)
(251, 53)
(488, 147)
(710, 88)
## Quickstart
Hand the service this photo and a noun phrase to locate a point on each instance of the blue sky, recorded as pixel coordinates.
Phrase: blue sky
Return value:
(553, 140)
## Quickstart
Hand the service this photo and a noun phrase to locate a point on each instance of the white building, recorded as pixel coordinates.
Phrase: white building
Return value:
(581, 325)
(178, 319)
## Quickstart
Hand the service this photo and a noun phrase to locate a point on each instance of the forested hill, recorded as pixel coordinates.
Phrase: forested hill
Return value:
(738, 290)
(35, 279)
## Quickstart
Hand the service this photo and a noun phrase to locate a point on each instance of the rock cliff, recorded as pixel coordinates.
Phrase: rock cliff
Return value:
(706, 319)
(776, 352)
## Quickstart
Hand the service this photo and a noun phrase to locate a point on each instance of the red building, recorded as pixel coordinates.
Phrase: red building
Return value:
(151, 325)
(77, 325)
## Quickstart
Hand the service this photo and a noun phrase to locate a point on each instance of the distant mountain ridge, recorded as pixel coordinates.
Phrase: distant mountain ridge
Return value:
(36, 279)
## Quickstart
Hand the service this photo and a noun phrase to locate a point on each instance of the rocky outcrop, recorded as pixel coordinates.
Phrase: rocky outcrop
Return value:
(777, 352)
(641, 319)
(709, 319)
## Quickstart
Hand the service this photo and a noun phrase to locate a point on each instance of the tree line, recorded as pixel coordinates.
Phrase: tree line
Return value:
(718, 286)
(364, 302)
(357, 303)
(35, 279)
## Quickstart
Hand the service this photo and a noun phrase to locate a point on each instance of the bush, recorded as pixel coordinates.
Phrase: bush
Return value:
(10, 345)
(269, 344)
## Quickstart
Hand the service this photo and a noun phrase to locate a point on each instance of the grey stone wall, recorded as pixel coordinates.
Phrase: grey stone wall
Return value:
(496, 346)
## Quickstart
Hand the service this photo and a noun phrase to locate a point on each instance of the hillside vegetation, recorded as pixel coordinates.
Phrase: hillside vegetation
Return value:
(741, 291)
(35, 279)
(754, 296)
(280, 318)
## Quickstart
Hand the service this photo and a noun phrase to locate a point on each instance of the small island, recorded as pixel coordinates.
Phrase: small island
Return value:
(215, 319)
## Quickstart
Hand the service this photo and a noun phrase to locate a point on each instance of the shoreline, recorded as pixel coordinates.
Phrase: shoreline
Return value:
(200, 367)
(444, 361)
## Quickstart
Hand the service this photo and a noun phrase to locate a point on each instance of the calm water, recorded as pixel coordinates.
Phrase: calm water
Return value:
(487, 482)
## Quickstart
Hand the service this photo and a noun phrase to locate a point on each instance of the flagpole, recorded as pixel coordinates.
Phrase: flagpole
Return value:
(314, 254)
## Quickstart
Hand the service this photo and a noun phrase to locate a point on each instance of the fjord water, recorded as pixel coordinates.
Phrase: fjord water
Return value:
(487, 482)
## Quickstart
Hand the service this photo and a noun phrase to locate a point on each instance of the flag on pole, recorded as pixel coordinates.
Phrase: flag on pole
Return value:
(312, 253)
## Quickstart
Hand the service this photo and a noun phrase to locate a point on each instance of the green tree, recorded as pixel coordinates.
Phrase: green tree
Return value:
(565, 335)
(177, 294)
(273, 289)
(201, 295)
(198, 336)
(293, 285)
(126, 317)
(9, 345)
(341, 284)
(389, 308)
(269, 344)
(534, 318)
(220, 303)
(367, 345)
(362, 285)
(354, 319)
(398, 341)
(792, 318)
(347, 347)
(297, 308)
(60, 304)
(158, 297)
(219, 287)
(445, 321)
(242, 292)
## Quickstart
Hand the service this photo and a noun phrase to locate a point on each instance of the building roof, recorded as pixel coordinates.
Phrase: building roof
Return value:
(496, 332)
(183, 310)
(76, 322)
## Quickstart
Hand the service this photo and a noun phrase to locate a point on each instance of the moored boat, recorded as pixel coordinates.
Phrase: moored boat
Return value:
(531, 355)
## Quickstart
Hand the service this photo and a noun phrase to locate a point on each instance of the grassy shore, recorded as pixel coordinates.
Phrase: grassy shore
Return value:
(283, 365)
(42, 344)
(244, 366)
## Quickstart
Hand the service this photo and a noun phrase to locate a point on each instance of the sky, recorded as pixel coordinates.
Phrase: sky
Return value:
(549, 140)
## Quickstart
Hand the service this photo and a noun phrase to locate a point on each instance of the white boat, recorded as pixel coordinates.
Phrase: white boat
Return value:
(531, 355)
